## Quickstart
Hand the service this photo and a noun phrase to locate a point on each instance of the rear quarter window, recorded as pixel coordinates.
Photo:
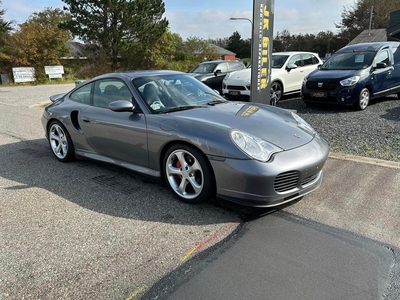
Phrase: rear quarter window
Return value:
(82, 95)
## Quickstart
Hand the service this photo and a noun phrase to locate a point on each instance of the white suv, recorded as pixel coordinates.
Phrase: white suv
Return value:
(288, 70)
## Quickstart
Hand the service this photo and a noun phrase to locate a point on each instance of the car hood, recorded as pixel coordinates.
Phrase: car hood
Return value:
(242, 75)
(332, 75)
(272, 124)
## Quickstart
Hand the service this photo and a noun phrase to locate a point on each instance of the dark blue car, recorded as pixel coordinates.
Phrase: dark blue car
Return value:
(354, 75)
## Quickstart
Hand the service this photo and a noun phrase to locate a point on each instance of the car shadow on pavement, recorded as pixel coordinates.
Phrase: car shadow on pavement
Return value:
(108, 189)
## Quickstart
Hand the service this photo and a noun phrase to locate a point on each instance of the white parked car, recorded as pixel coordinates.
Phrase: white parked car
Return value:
(288, 70)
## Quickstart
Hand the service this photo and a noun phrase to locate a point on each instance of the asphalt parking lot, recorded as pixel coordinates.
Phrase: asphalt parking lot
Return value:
(85, 230)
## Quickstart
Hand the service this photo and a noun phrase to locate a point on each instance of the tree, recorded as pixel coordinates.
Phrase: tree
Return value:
(199, 49)
(5, 26)
(39, 41)
(356, 17)
(237, 45)
(117, 27)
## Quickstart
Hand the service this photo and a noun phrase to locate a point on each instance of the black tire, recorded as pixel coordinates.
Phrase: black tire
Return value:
(188, 174)
(60, 142)
(276, 91)
(363, 99)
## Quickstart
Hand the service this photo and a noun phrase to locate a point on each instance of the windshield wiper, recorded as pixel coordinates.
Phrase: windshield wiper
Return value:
(183, 107)
(215, 102)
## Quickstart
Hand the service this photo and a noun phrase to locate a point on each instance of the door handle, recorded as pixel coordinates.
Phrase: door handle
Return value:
(85, 120)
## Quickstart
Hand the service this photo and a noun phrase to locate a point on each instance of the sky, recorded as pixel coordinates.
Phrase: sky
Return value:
(211, 18)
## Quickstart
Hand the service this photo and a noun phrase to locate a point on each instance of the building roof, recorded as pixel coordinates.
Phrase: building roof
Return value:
(370, 36)
(222, 51)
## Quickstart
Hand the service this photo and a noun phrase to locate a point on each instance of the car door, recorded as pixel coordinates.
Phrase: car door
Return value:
(294, 77)
(215, 82)
(310, 63)
(382, 76)
(115, 135)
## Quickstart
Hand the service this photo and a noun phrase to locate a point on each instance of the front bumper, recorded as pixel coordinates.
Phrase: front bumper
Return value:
(290, 175)
(235, 90)
(346, 95)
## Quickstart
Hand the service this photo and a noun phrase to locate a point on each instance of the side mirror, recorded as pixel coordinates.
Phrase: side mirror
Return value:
(291, 66)
(381, 65)
(121, 105)
(319, 67)
(217, 72)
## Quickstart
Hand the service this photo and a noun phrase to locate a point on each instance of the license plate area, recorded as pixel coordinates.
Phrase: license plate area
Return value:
(234, 93)
(318, 94)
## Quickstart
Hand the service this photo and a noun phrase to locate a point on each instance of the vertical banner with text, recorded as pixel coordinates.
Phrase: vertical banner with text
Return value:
(262, 37)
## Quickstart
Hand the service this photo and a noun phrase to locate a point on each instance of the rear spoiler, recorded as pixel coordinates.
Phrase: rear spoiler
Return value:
(56, 97)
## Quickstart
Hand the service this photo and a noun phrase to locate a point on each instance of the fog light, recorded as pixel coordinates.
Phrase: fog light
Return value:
(342, 99)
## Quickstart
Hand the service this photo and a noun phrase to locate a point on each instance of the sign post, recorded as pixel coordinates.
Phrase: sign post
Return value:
(54, 71)
(262, 37)
(23, 74)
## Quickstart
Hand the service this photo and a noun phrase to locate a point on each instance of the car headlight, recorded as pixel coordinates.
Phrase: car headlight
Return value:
(227, 76)
(303, 124)
(350, 81)
(254, 147)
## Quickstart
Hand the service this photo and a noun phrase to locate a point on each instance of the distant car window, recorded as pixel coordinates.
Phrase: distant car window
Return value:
(82, 95)
(315, 60)
(295, 59)
(109, 90)
(223, 67)
(236, 67)
(308, 59)
(278, 61)
(383, 57)
(204, 68)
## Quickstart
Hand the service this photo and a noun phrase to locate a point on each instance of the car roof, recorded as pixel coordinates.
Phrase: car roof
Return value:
(220, 61)
(368, 47)
(136, 74)
(293, 52)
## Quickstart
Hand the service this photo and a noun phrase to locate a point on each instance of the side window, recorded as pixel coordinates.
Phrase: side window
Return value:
(383, 57)
(82, 95)
(307, 59)
(295, 59)
(236, 66)
(315, 60)
(223, 67)
(109, 90)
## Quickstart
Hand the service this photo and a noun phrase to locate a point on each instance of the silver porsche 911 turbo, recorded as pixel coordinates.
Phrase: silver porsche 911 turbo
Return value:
(170, 125)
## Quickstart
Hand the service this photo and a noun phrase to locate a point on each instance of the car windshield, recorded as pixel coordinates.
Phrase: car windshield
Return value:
(168, 93)
(204, 68)
(349, 61)
(278, 61)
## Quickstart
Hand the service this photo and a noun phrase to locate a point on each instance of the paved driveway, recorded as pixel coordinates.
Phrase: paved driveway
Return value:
(85, 230)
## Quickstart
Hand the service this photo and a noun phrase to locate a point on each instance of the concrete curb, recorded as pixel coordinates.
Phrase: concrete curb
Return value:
(366, 160)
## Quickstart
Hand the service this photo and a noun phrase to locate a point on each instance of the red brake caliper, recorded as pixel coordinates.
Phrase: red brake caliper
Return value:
(178, 165)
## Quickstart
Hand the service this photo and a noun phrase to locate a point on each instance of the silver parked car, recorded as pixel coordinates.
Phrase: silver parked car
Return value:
(168, 124)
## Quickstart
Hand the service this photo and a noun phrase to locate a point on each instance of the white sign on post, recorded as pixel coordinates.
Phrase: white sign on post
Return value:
(23, 74)
(54, 71)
